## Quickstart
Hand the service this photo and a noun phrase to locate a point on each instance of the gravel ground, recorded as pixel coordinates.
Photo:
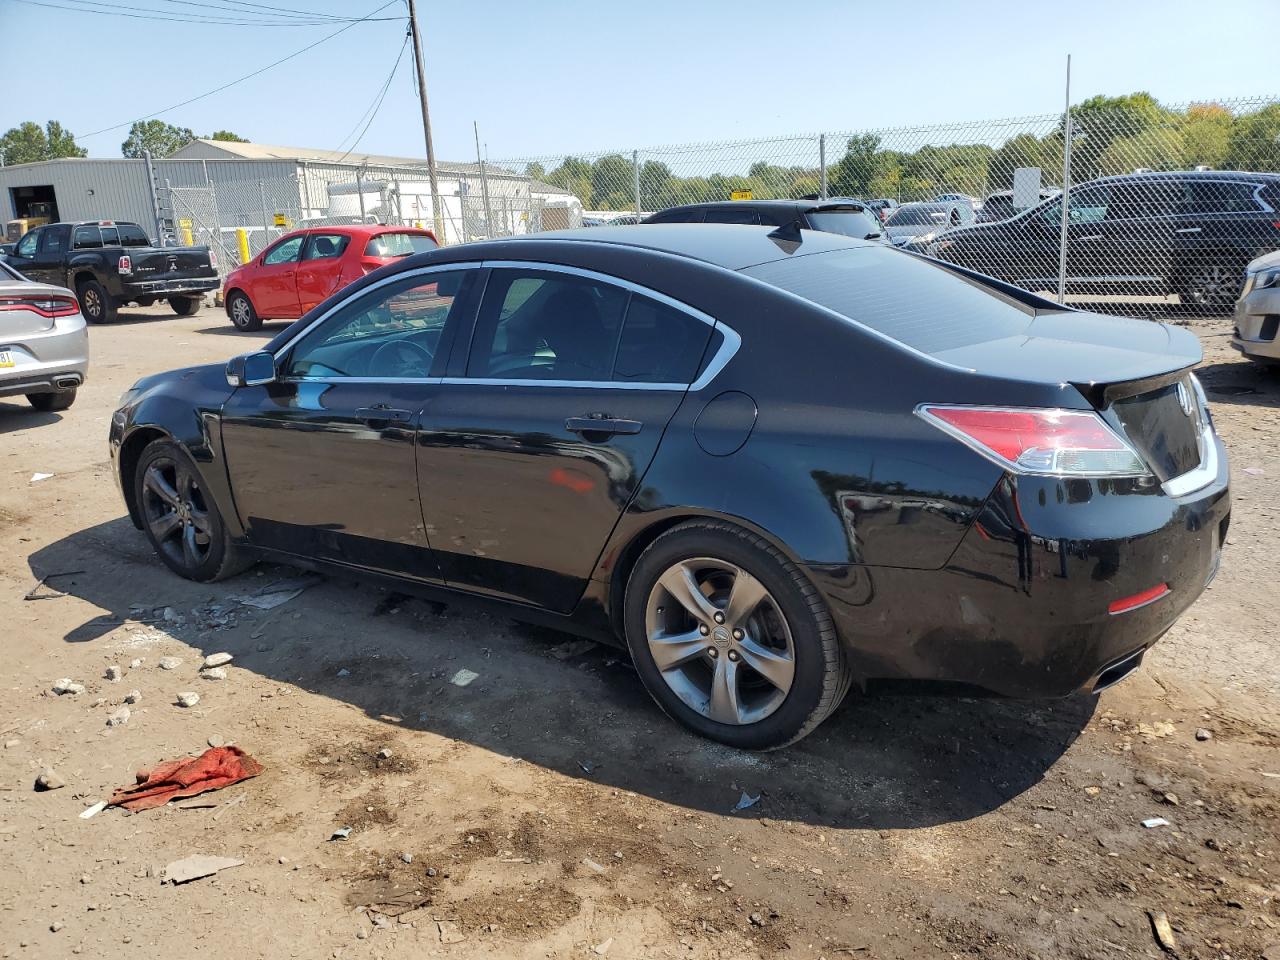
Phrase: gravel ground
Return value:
(548, 809)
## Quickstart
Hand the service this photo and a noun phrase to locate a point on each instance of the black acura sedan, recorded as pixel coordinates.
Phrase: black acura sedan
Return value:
(773, 464)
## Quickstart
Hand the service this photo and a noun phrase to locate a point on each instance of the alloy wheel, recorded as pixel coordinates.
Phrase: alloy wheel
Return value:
(176, 512)
(720, 641)
(91, 302)
(1213, 286)
(240, 312)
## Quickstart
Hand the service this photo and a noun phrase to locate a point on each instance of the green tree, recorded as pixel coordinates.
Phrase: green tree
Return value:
(1255, 141)
(536, 171)
(654, 177)
(1099, 121)
(611, 182)
(1206, 134)
(226, 135)
(29, 143)
(162, 139)
(573, 175)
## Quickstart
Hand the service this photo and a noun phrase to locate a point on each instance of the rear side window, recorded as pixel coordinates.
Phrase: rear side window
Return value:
(86, 237)
(732, 215)
(54, 240)
(659, 344)
(110, 237)
(850, 223)
(131, 235)
(908, 299)
(398, 244)
(1217, 196)
(678, 215)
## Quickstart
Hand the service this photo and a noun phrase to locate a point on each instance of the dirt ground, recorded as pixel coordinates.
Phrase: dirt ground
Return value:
(548, 809)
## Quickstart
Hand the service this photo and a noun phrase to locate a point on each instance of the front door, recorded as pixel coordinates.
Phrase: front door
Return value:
(320, 269)
(529, 454)
(321, 461)
(41, 254)
(275, 283)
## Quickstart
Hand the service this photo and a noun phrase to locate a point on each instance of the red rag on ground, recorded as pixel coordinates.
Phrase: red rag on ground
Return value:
(214, 769)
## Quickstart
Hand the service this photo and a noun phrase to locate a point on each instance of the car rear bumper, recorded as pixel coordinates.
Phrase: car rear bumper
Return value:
(1022, 608)
(1257, 324)
(49, 361)
(153, 288)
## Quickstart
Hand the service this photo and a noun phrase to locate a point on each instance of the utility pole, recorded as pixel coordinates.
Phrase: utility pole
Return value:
(1066, 192)
(419, 65)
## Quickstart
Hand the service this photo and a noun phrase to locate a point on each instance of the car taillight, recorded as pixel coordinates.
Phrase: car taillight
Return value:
(1046, 442)
(46, 305)
(125, 265)
(213, 260)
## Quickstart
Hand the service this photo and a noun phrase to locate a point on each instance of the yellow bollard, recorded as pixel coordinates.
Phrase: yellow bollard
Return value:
(187, 239)
(242, 235)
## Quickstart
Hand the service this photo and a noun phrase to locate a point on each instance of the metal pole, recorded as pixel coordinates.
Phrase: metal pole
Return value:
(395, 183)
(266, 230)
(360, 192)
(635, 163)
(151, 185)
(822, 164)
(1066, 192)
(484, 183)
(419, 65)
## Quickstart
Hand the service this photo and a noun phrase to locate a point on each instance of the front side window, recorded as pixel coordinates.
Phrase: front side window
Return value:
(398, 244)
(27, 245)
(388, 333)
(1087, 206)
(286, 251)
(86, 237)
(538, 325)
(326, 246)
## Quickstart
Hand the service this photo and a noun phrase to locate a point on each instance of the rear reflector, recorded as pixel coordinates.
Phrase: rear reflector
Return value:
(49, 306)
(1044, 442)
(1138, 599)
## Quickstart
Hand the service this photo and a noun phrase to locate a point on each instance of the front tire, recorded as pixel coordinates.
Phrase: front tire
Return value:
(180, 519)
(1211, 285)
(731, 638)
(240, 310)
(95, 303)
(51, 402)
(185, 306)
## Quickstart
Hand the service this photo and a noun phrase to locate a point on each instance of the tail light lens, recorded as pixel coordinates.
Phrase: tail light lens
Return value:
(125, 265)
(213, 259)
(48, 306)
(1045, 442)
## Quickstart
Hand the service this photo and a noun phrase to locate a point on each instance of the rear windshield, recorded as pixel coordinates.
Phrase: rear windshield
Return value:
(850, 223)
(398, 244)
(915, 216)
(908, 299)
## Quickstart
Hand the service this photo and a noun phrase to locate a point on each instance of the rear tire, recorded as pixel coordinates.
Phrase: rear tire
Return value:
(711, 641)
(186, 306)
(51, 402)
(180, 519)
(1212, 285)
(95, 303)
(240, 310)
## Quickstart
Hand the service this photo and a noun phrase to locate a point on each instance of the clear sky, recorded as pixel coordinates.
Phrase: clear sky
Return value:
(558, 76)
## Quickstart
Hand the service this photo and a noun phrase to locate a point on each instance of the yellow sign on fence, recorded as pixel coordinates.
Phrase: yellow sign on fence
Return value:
(281, 220)
(742, 195)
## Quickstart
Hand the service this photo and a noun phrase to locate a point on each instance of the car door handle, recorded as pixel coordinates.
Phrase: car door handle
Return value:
(1189, 230)
(602, 424)
(1092, 236)
(381, 413)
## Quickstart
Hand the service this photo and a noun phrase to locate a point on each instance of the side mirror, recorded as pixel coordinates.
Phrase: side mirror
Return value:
(251, 369)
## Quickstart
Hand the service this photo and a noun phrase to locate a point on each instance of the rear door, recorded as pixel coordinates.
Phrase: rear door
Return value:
(319, 272)
(1136, 249)
(544, 430)
(275, 282)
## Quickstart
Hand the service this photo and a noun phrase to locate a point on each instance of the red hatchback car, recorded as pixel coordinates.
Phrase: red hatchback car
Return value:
(304, 267)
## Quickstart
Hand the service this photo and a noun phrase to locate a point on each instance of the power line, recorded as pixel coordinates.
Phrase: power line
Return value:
(247, 76)
(375, 107)
(280, 11)
(144, 13)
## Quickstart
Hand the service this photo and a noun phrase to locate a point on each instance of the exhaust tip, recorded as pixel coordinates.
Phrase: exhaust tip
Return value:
(66, 383)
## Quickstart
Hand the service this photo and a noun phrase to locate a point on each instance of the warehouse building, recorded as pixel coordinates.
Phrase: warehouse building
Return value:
(212, 190)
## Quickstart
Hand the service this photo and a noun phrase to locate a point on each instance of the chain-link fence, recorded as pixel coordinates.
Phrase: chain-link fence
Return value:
(1166, 204)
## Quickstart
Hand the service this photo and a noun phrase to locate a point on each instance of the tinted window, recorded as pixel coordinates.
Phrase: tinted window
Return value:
(546, 326)
(850, 223)
(390, 332)
(110, 237)
(1217, 196)
(659, 344)
(678, 215)
(326, 246)
(913, 216)
(1087, 206)
(866, 284)
(53, 240)
(284, 252)
(1150, 198)
(131, 235)
(398, 245)
(731, 215)
(27, 245)
(86, 237)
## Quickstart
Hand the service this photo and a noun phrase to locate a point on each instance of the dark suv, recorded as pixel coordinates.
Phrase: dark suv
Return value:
(1189, 233)
(849, 218)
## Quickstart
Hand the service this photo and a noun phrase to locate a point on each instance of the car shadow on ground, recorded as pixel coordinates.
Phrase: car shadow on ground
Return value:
(575, 708)
(1241, 382)
(130, 316)
(17, 414)
(267, 331)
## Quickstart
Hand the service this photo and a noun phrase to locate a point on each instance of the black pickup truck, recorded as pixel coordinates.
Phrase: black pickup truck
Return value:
(109, 263)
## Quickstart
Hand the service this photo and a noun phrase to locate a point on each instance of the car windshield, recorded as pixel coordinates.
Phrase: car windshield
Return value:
(398, 244)
(849, 223)
(916, 216)
(866, 284)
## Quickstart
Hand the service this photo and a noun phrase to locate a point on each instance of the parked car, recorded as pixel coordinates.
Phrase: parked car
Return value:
(999, 206)
(850, 218)
(774, 470)
(915, 225)
(44, 345)
(627, 220)
(1189, 233)
(883, 206)
(306, 266)
(1258, 311)
(109, 263)
(973, 202)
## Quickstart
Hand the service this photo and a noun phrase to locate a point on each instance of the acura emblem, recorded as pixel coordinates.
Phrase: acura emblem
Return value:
(1184, 398)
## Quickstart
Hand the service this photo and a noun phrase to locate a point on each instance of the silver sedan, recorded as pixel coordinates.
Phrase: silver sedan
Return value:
(1258, 311)
(44, 344)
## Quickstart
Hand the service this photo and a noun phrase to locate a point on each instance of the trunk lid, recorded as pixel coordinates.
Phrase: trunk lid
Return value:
(17, 322)
(169, 263)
